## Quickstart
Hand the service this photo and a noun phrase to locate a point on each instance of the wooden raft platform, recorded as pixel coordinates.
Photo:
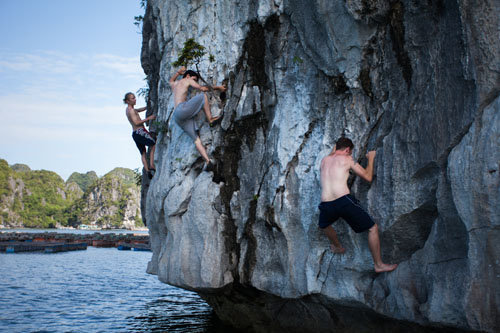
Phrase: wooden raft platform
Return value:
(51, 242)
(15, 247)
(134, 246)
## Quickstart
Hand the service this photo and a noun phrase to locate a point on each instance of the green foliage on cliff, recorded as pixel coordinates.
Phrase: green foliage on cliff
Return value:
(192, 53)
(138, 219)
(41, 199)
(140, 18)
(84, 180)
(46, 203)
(126, 175)
(20, 167)
(4, 177)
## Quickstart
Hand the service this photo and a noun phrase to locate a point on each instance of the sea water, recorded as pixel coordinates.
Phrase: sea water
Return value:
(96, 290)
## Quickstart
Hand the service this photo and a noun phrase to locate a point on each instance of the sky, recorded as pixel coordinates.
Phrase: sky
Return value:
(65, 66)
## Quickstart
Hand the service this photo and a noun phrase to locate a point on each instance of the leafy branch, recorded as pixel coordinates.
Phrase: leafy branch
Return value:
(144, 92)
(139, 19)
(160, 126)
(297, 60)
(192, 53)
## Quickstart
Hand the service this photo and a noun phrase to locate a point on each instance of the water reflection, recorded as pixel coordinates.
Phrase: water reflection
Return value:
(177, 313)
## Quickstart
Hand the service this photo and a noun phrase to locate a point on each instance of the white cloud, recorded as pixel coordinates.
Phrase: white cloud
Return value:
(42, 62)
(72, 104)
(50, 63)
(43, 112)
(122, 65)
(15, 65)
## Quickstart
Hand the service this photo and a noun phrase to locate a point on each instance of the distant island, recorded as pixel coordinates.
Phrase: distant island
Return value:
(42, 199)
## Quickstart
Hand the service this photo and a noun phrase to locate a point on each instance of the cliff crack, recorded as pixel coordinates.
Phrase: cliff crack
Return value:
(446, 260)
(322, 274)
(295, 159)
(397, 32)
(263, 177)
(485, 227)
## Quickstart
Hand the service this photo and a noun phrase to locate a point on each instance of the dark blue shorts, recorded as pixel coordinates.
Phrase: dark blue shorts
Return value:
(142, 139)
(348, 208)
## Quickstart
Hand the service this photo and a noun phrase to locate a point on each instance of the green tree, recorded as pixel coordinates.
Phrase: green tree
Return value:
(5, 173)
(138, 20)
(44, 199)
(192, 54)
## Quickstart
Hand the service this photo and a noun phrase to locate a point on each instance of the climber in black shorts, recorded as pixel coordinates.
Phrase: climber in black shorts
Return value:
(336, 200)
(348, 208)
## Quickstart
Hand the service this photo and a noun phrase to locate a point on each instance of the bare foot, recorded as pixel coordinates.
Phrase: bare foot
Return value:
(385, 268)
(209, 166)
(214, 119)
(338, 250)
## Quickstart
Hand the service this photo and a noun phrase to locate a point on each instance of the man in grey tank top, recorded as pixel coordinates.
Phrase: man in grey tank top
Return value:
(186, 111)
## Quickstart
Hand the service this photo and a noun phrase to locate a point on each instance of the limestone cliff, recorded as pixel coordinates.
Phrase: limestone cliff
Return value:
(418, 81)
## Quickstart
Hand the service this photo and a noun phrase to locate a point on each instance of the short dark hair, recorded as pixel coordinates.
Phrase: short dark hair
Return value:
(343, 143)
(191, 73)
(126, 97)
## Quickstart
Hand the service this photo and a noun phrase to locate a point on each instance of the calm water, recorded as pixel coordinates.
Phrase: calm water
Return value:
(97, 290)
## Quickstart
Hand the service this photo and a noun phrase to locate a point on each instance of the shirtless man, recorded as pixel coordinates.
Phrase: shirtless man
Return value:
(336, 200)
(140, 134)
(186, 111)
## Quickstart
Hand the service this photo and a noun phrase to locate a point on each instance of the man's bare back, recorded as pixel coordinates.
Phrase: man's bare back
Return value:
(335, 172)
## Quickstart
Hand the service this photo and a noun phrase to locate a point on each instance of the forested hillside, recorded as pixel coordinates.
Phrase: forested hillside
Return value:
(42, 199)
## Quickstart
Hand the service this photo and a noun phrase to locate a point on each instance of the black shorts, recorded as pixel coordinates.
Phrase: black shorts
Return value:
(142, 139)
(348, 208)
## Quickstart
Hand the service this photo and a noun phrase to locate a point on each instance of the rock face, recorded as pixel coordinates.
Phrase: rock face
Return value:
(418, 81)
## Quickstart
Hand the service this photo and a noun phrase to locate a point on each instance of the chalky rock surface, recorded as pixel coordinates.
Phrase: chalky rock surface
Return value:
(417, 81)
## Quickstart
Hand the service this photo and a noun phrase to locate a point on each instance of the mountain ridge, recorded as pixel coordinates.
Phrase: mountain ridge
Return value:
(42, 199)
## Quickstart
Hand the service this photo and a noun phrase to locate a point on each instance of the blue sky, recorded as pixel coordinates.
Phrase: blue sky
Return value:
(64, 68)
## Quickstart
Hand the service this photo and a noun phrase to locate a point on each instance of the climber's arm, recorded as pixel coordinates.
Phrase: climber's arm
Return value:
(180, 71)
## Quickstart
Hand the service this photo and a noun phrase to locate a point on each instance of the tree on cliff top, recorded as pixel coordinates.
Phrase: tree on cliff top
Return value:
(192, 53)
